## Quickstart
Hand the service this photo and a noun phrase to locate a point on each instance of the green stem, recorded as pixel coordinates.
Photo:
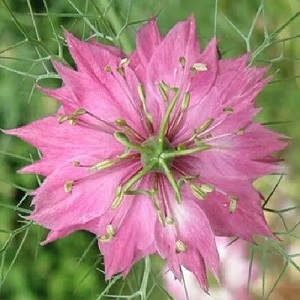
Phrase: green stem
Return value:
(124, 140)
(172, 180)
(144, 284)
(139, 175)
(127, 186)
(115, 21)
(164, 123)
(177, 153)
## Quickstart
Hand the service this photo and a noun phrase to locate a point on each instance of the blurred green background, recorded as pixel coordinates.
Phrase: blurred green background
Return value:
(32, 35)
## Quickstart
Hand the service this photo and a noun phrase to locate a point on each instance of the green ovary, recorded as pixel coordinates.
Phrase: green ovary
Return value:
(153, 153)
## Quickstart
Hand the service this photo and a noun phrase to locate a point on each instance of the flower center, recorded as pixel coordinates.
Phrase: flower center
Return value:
(154, 155)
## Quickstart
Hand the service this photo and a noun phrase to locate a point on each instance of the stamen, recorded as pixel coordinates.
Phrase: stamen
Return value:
(121, 122)
(207, 188)
(122, 190)
(197, 191)
(142, 95)
(177, 153)
(118, 198)
(68, 186)
(240, 131)
(108, 69)
(121, 71)
(103, 165)
(164, 123)
(182, 60)
(123, 139)
(204, 126)
(110, 233)
(180, 246)
(163, 92)
(79, 112)
(169, 221)
(208, 136)
(72, 118)
(233, 203)
(181, 146)
(63, 118)
(160, 217)
(149, 117)
(125, 62)
(171, 180)
(228, 110)
(186, 101)
(129, 130)
(186, 179)
(76, 163)
(199, 67)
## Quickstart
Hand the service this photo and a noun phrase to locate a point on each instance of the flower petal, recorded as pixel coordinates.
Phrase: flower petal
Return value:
(62, 142)
(147, 40)
(89, 197)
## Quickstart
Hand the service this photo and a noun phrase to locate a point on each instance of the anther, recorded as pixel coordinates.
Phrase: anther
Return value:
(169, 221)
(186, 101)
(79, 112)
(124, 62)
(103, 165)
(233, 203)
(149, 117)
(204, 126)
(142, 94)
(108, 69)
(228, 110)
(110, 233)
(121, 71)
(199, 67)
(72, 120)
(68, 186)
(207, 188)
(240, 131)
(180, 246)
(121, 122)
(118, 198)
(197, 191)
(182, 60)
(180, 147)
(163, 92)
(160, 217)
(208, 136)
(76, 163)
(63, 118)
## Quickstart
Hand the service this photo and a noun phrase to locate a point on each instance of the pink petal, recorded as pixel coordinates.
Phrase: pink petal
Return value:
(62, 142)
(193, 229)
(53, 235)
(91, 195)
(134, 224)
(165, 64)
(147, 40)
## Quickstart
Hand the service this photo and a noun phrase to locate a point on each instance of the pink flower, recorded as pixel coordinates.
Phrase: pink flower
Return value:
(154, 152)
(234, 271)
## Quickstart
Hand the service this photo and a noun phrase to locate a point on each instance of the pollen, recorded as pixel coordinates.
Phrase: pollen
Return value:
(228, 110)
(110, 233)
(124, 62)
(203, 127)
(180, 246)
(108, 69)
(198, 67)
(186, 101)
(233, 203)
(68, 186)
(182, 60)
